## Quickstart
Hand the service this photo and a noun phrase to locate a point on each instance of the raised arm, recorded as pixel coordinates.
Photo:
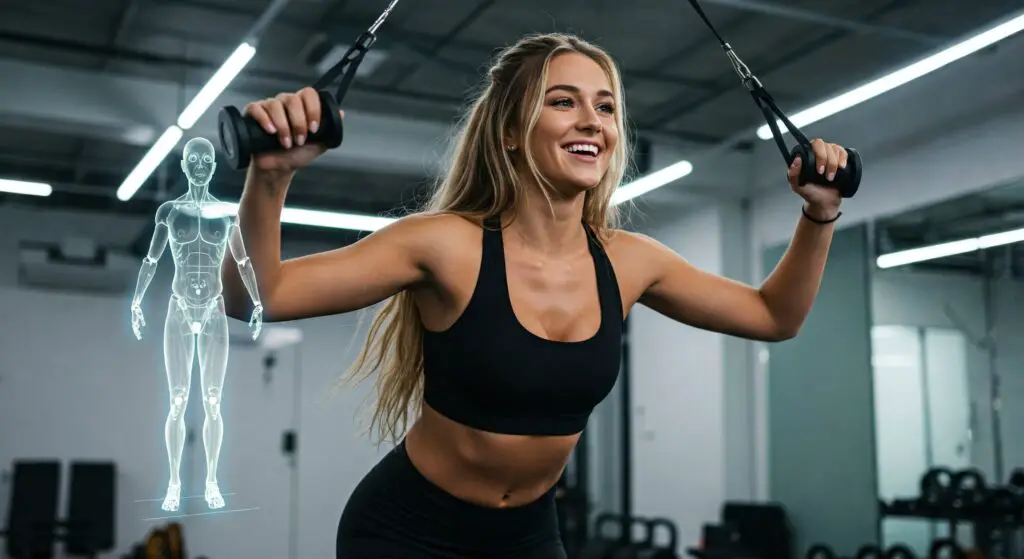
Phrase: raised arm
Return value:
(349, 278)
(778, 308)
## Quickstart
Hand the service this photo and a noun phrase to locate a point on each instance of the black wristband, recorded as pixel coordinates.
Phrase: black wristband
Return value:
(819, 221)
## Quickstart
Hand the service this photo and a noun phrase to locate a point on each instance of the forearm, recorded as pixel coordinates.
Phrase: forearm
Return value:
(259, 225)
(790, 290)
(146, 273)
(248, 275)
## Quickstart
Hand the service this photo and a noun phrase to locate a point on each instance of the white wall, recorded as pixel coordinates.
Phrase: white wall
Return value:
(691, 389)
(75, 384)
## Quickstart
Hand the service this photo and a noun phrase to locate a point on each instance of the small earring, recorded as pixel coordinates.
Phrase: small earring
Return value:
(511, 147)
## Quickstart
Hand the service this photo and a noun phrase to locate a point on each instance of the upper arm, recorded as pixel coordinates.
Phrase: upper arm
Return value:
(158, 242)
(391, 259)
(235, 244)
(679, 290)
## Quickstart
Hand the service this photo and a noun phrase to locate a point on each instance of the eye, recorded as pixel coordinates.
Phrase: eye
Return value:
(607, 107)
(562, 102)
(192, 158)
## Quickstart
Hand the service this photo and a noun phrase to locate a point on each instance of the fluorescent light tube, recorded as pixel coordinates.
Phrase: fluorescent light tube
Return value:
(134, 181)
(951, 248)
(649, 182)
(313, 218)
(24, 187)
(217, 84)
(906, 74)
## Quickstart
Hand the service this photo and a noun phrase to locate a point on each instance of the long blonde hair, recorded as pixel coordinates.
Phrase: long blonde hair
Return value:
(481, 183)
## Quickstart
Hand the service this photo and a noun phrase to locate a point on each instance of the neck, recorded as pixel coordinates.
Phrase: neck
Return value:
(196, 192)
(553, 228)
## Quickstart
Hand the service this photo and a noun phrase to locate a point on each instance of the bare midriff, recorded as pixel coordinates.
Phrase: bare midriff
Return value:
(487, 469)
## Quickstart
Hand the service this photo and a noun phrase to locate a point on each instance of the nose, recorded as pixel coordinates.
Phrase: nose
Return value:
(589, 120)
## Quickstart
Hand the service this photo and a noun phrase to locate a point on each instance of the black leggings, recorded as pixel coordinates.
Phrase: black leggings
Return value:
(396, 513)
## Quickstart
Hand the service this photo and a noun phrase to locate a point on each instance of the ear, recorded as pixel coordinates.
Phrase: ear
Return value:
(183, 168)
(512, 140)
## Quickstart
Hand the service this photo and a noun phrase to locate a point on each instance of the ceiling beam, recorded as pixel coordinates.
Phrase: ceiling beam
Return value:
(134, 111)
(769, 8)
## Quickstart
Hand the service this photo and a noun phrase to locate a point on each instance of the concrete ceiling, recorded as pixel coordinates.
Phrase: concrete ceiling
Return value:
(86, 90)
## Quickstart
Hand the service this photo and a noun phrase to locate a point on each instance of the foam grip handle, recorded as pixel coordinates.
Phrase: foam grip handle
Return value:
(846, 181)
(241, 137)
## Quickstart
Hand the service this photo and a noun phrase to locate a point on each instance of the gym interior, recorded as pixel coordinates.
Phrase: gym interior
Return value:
(889, 427)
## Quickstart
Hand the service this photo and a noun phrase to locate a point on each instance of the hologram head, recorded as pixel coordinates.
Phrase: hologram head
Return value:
(198, 161)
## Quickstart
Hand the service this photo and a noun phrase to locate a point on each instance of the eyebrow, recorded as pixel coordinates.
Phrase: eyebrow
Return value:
(574, 89)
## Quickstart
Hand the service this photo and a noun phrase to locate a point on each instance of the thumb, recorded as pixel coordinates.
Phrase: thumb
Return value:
(794, 168)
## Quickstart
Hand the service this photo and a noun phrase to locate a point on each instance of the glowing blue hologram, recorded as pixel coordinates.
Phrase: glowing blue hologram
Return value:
(199, 231)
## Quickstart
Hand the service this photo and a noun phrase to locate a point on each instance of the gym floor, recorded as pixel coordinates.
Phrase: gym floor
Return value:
(906, 365)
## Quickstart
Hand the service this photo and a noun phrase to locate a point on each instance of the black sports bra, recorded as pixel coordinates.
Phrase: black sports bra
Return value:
(489, 372)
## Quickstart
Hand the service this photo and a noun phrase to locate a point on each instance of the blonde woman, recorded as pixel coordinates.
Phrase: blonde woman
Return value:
(505, 300)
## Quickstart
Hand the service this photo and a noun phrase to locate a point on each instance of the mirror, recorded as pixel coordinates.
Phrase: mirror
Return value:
(948, 381)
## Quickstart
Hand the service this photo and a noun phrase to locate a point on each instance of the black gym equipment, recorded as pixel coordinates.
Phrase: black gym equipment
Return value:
(34, 523)
(946, 549)
(936, 487)
(899, 551)
(968, 489)
(655, 550)
(820, 551)
(870, 551)
(620, 543)
(32, 515)
(847, 180)
(241, 136)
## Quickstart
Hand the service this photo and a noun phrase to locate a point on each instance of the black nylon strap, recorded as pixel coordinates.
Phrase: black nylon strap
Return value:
(700, 12)
(348, 65)
(762, 98)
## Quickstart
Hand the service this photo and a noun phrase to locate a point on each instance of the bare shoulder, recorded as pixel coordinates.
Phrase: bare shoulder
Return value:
(632, 247)
(435, 238)
(638, 261)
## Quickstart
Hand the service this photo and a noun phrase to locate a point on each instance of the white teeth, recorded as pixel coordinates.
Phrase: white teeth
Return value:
(582, 148)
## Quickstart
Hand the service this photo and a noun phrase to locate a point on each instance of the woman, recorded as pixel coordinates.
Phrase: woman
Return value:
(505, 301)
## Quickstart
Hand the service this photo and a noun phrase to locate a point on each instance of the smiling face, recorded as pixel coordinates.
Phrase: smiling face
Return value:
(576, 132)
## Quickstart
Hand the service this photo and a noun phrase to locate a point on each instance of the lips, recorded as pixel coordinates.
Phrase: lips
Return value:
(583, 149)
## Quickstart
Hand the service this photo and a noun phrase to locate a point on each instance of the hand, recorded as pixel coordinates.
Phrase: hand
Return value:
(822, 201)
(292, 117)
(138, 321)
(256, 322)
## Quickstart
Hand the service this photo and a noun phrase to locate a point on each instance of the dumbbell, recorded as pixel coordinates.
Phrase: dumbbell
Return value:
(936, 486)
(946, 549)
(667, 551)
(968, 489)
(820, 551)
(870, 551)
(899, 551)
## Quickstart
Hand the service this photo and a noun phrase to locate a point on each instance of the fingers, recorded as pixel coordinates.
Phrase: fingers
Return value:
(311, 105)
(820, 149)
(292, 117)
(830, 158)
(279, 119)
(297, 119)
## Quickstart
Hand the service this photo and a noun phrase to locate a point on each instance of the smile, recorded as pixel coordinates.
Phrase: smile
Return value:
(583, 151)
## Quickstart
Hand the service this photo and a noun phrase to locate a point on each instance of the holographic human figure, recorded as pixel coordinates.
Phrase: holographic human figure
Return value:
(199, 231)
